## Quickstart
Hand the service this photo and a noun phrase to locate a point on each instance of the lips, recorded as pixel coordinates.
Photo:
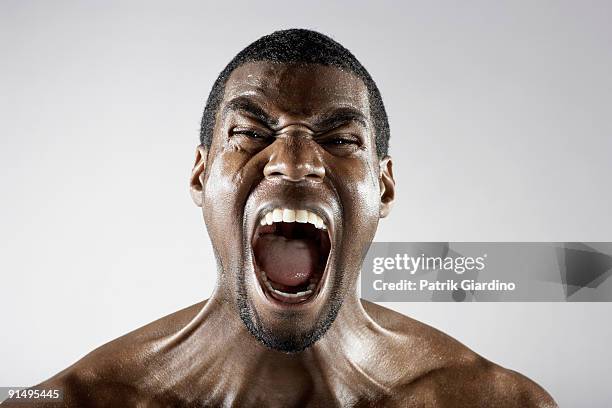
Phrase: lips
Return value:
(290, 252)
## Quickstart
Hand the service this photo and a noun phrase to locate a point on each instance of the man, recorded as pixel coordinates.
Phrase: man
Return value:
(292, 175)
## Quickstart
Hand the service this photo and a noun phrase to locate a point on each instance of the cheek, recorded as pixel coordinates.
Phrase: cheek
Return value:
(226, 186)
(358, 189)
(359, 192)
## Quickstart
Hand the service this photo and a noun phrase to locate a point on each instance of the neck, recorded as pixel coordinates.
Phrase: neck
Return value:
(228, 354)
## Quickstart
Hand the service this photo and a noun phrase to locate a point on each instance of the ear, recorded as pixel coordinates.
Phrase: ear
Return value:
(387, 186)
(196, 181)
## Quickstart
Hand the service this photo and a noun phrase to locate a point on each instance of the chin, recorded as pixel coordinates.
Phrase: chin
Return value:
(287, 331)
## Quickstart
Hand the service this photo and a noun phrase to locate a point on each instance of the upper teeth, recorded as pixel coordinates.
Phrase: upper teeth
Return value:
(288, 215)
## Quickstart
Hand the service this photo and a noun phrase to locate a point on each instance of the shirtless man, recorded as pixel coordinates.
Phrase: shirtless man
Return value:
(292, 175)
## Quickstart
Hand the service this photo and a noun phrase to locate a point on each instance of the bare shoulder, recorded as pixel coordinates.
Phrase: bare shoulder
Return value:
(443, 372)
(114, 369)
(481, 384)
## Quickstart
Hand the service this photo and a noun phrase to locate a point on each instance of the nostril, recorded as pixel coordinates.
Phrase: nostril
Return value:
(314, 172)
(314, 177)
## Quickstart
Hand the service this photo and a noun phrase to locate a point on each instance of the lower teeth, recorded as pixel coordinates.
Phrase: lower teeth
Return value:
(285, 294)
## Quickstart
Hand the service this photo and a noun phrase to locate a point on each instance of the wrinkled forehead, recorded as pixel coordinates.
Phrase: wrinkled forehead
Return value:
(300, 89)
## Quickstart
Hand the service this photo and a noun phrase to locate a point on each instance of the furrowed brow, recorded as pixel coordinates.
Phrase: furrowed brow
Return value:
(247, 106)
(340, 116)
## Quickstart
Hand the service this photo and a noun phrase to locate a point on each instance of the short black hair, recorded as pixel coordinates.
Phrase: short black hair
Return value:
(301, 47)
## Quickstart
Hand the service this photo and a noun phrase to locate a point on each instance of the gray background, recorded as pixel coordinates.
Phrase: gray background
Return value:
(500, 117)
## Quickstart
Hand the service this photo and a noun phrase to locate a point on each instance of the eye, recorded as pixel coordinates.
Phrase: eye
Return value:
(341, 141)
(342, 144)
(338, 141)
(250, 133)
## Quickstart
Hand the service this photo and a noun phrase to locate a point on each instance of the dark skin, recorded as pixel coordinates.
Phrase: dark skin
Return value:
(291, 136)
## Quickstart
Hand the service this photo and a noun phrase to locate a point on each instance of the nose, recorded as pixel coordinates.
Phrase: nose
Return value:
(294, 158)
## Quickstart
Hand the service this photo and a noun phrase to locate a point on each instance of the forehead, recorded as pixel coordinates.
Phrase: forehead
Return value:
(300, 89)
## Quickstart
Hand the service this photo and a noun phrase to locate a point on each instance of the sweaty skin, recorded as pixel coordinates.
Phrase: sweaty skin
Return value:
(291, 136)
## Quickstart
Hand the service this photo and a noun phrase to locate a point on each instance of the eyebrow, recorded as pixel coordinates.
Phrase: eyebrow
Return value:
(251, 108)
(326, 121)
(340, 116)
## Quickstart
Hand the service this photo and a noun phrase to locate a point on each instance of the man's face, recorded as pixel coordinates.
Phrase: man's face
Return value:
(291, 194)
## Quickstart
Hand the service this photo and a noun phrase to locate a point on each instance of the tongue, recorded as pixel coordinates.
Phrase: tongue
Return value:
(290, 262)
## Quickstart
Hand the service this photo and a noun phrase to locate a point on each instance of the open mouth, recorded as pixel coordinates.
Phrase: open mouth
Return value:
(290, 249)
